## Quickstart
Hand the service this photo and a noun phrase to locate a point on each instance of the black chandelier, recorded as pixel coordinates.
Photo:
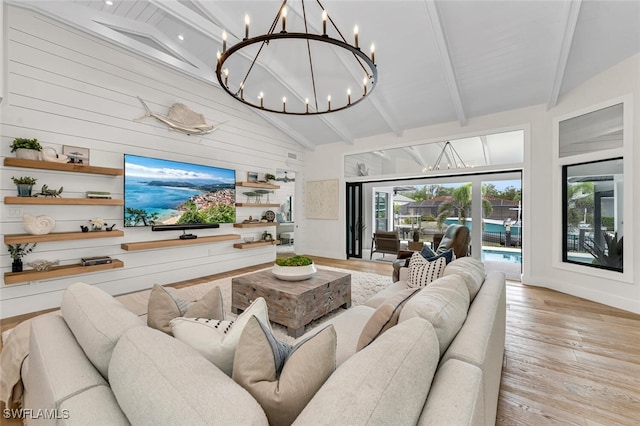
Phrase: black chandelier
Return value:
(239, 86)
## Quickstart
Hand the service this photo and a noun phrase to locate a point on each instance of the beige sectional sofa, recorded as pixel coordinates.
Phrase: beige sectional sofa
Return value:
(98, 363)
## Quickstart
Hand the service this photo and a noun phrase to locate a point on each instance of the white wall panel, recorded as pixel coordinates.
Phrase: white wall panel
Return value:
(66, 88)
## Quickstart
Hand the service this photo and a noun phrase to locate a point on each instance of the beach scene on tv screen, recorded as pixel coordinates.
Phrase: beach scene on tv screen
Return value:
(164, 192)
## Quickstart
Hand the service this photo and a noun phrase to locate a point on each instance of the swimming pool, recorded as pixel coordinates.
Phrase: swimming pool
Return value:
(497, 255)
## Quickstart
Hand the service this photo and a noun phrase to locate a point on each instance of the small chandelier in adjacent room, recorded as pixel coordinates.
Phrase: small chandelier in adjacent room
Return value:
(308, 72)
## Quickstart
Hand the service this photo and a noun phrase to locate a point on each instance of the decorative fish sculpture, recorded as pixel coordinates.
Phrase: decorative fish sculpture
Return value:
(182, 119)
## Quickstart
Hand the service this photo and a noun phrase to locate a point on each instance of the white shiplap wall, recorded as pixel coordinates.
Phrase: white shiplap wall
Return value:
(66, 88)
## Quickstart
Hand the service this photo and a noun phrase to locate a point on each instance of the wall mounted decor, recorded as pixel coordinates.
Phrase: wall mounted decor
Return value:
(322, 199)
(182, 119)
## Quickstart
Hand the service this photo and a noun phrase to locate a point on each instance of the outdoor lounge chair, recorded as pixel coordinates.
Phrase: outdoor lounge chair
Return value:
(385, 242)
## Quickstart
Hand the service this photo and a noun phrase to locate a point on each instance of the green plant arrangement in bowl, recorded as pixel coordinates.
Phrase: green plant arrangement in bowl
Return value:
(24, 185)
(27, 149)
(295, 268)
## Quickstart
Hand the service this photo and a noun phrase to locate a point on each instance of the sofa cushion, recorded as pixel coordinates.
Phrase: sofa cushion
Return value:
(472, 272)
(217, 339)
(386, 383)
(456, 396)
(282, 383)
(422, 271)
(384, 317)
(159, 380)
(165, 305)
(97, 321)
(380, 297)
(60, 375)
(444, 303)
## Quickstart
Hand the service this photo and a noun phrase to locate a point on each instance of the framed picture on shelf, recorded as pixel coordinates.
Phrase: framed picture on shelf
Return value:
(76, 154)
(252, 177)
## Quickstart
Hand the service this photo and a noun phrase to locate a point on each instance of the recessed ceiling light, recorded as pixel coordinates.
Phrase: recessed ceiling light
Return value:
(181, 37)
(108, 2)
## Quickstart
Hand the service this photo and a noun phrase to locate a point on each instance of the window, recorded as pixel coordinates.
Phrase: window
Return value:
(592, 211)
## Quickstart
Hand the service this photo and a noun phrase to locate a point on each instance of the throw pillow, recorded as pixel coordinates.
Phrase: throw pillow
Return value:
(427, 252)
(164, 306)
(216, 339)
(422, 272)
(283, 383)
(384, 317)
(448, 255)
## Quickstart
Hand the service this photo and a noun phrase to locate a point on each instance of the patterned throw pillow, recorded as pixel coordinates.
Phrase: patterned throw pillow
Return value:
(164, 305)
(281, 378)
(422, 272)
(217, 340)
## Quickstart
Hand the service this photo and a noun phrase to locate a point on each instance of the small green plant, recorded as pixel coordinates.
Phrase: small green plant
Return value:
(24, 180)
(269, 176)
(294, 261)
(26, 144)
(18, 251)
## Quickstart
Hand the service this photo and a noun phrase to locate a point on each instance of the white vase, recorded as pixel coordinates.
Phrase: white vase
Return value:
(27, 154)
(294, 273)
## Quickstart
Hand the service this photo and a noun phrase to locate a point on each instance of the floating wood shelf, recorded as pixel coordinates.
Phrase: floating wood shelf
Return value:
(257, 185)
(64, 201)
(255, 244)
(60, 236)
(64, 167)
(57, 272)
(256, 205)
(146, 245)
(254, 224)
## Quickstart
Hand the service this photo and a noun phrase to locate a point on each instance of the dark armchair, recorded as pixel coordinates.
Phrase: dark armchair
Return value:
(456, 237)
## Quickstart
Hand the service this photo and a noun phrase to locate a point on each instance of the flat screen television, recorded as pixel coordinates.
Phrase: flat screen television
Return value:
(168, 194)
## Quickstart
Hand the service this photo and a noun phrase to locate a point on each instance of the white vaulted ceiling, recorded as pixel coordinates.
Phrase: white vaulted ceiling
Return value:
(438, 61)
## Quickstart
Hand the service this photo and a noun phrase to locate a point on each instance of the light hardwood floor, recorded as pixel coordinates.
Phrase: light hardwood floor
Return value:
(567, 360)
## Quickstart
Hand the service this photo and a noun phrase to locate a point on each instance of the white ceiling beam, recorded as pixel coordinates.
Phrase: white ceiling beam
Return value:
(445, 59)
(189, 17)
(573, 10)
(377, 105)
(105, 27)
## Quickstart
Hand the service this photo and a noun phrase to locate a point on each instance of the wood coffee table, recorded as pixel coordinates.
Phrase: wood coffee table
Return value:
(293, 304)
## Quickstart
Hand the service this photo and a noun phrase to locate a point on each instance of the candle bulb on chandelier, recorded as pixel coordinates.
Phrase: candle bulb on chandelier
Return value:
(261, 97)
(364, 83)
(284, 104)
(242, 90)
(247, 21)
(218, 55)
(355, 34)
(224, 41)
(226, 77)
(329, 103)
(373, 53)
(284, 19)
(324, 22)
(349, 96)
(306, 101)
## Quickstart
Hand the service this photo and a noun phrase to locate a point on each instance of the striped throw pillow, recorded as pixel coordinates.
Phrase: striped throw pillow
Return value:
(422, 271)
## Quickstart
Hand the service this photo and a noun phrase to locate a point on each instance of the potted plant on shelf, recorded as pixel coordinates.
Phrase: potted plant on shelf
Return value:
(17, 252)
(295, 268)
(24, 185)
(269, 177)
(27, 149)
